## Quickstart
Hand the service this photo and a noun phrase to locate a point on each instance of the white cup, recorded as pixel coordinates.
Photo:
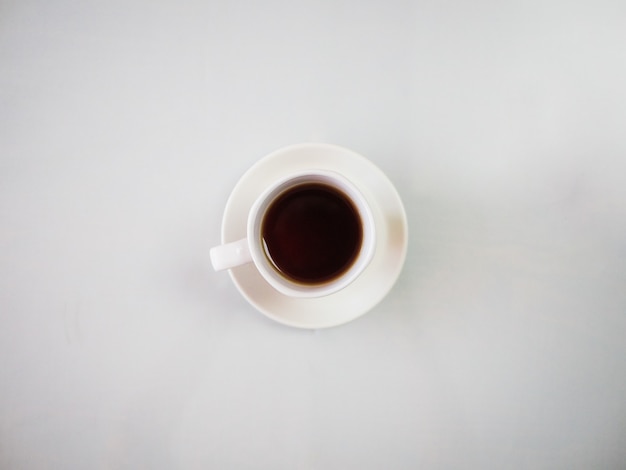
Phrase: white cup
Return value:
(253, 249)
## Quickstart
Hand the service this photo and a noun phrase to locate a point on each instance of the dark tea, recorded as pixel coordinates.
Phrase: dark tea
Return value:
(312, 233)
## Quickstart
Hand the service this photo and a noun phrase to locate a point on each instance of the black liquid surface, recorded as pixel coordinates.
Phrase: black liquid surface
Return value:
(312, 233)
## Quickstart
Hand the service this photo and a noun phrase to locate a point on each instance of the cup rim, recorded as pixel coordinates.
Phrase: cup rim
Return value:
(266, 267)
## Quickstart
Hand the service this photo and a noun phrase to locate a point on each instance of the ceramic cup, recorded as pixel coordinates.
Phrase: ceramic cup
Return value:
(309, 234)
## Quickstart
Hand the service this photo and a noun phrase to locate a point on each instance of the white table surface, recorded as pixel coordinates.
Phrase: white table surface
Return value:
(124, 125)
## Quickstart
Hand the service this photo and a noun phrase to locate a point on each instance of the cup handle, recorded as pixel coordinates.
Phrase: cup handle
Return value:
(230, 255)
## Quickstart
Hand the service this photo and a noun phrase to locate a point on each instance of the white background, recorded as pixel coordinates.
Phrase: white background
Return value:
(124, 125)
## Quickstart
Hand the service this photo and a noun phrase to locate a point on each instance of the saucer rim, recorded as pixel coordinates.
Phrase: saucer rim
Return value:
(375, 172)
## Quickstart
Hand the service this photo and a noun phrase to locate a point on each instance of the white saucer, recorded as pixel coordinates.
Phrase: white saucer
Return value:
(391, 236)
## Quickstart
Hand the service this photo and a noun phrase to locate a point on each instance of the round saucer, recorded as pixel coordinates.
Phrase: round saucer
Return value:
(391, 236)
